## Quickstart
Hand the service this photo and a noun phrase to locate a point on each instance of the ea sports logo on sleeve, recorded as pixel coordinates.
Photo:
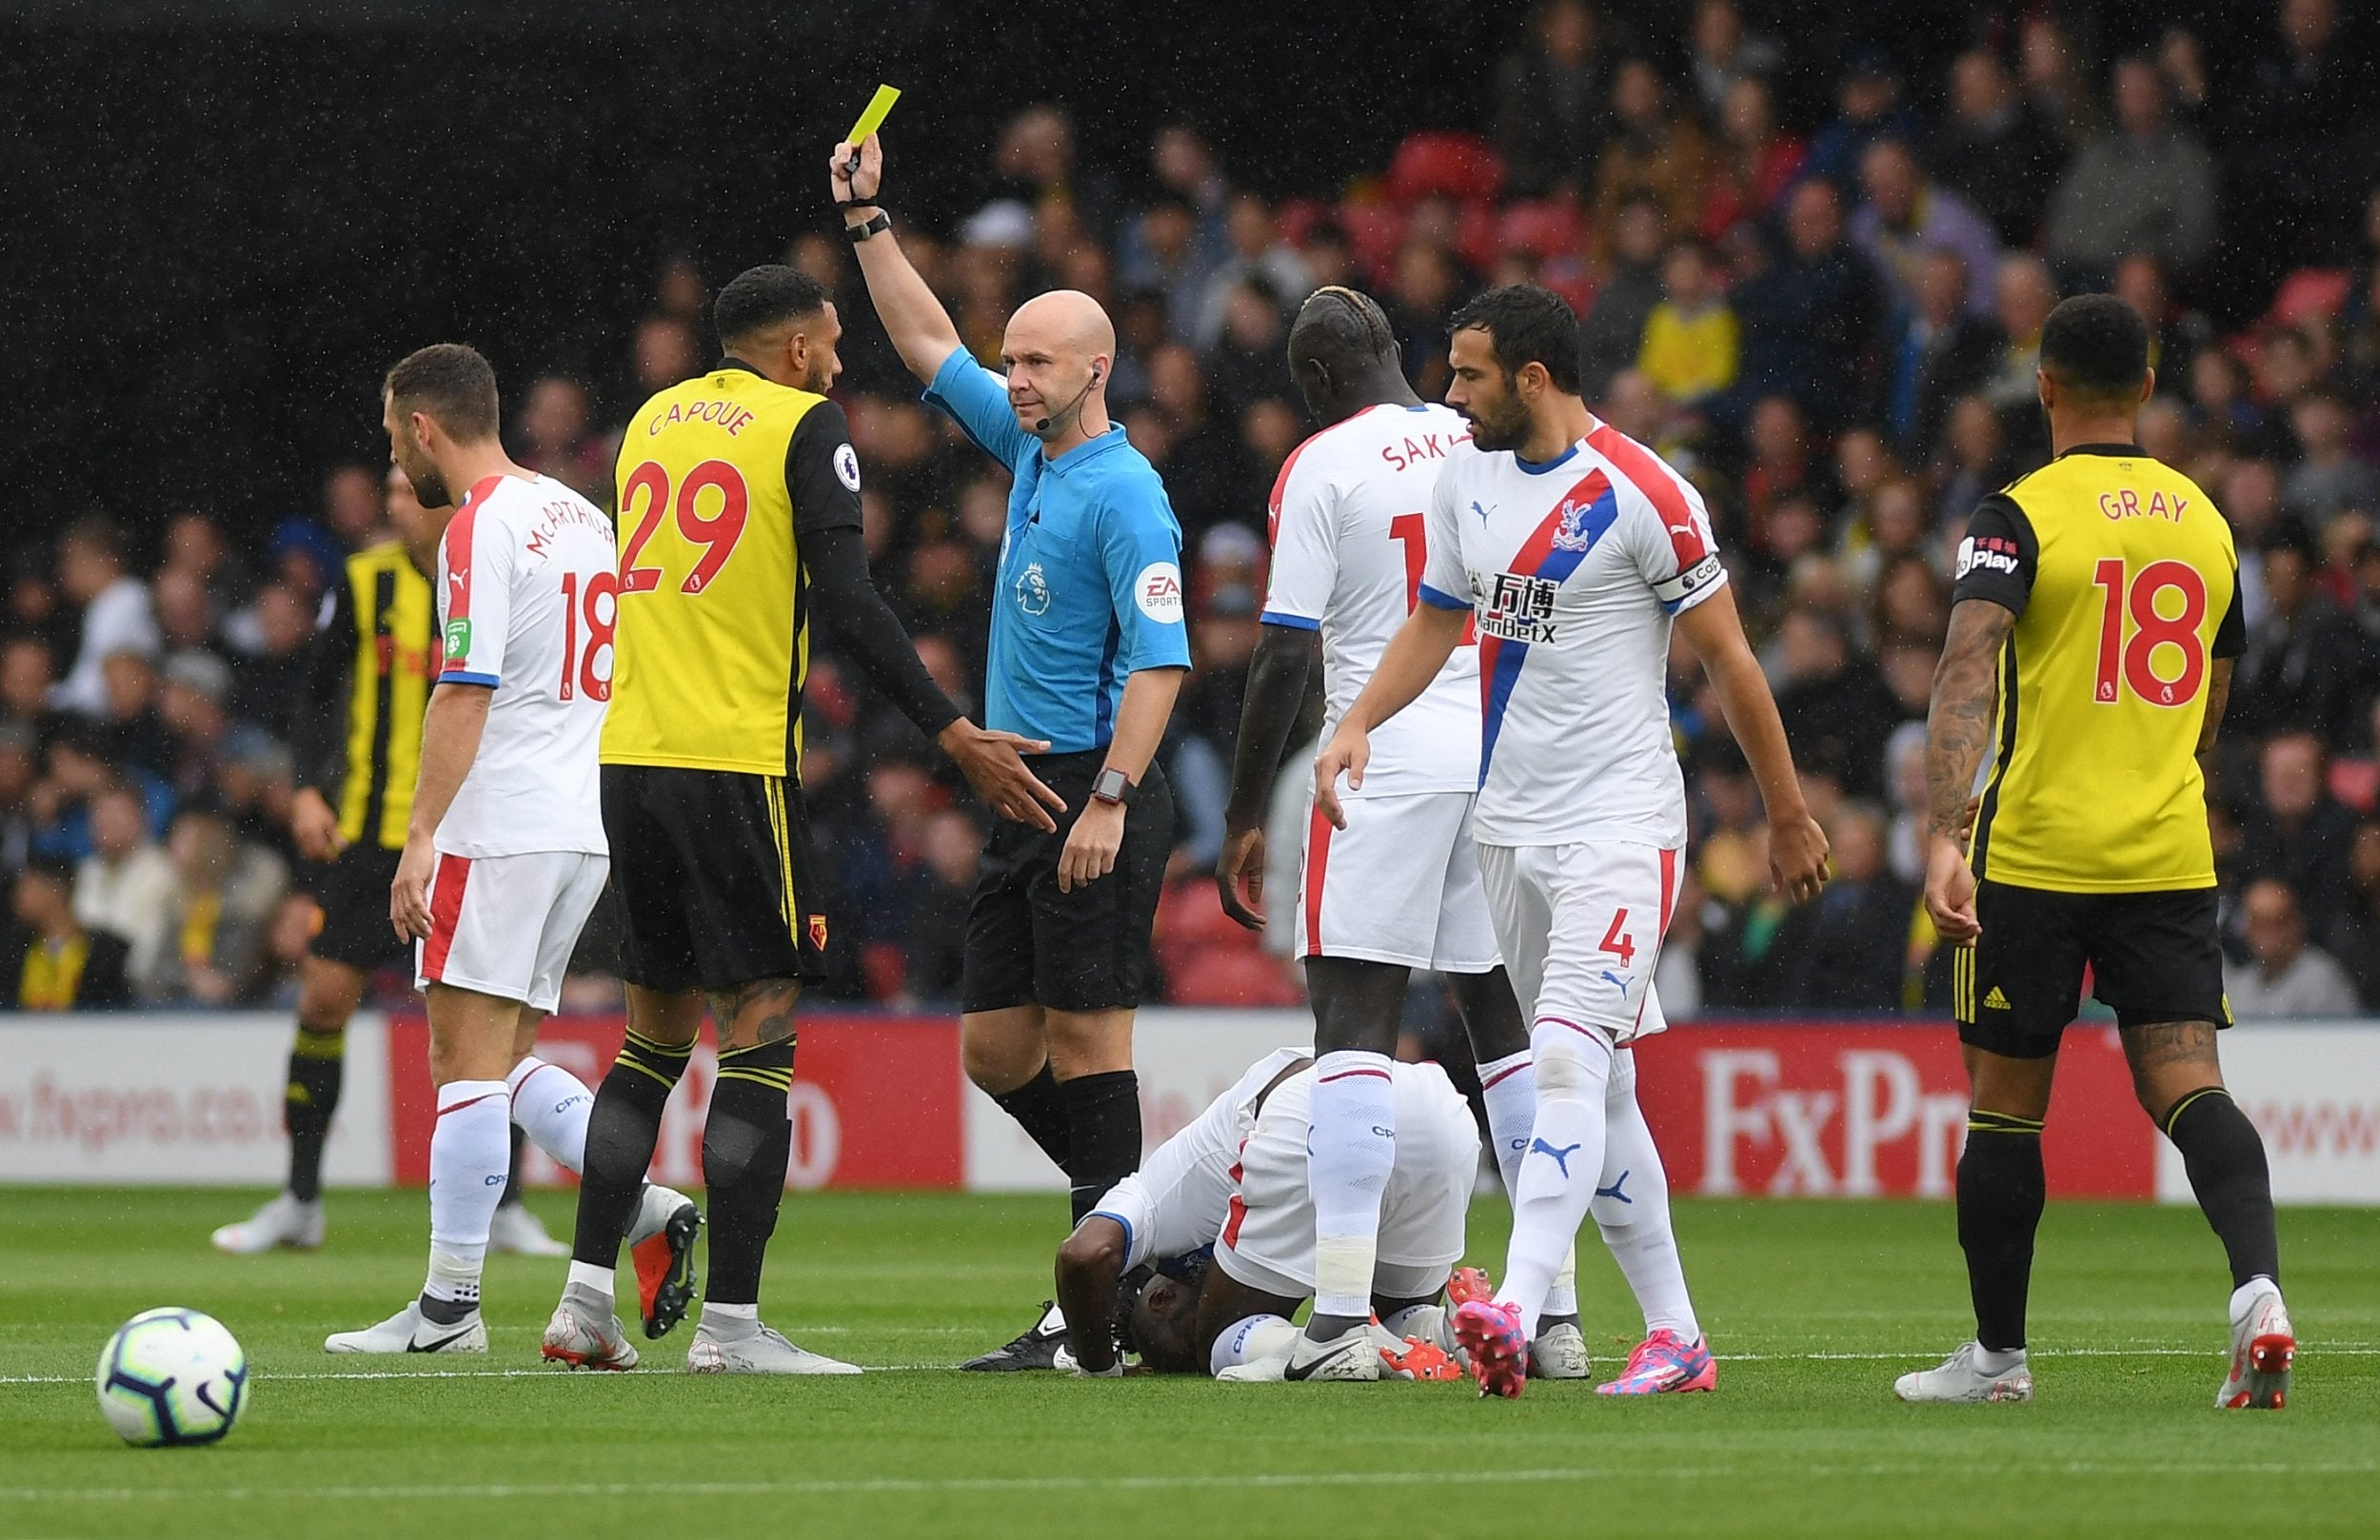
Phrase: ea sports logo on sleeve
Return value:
(1157, 591)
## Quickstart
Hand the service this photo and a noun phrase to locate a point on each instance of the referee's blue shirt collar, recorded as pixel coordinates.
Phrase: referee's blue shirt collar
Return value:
(1084, 453)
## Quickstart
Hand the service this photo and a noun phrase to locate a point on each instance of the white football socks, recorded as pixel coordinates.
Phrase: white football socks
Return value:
(1632, 1209)
(552, 1106)
(586, 1277)
(1250, 1339)
(471, 1151)
(1509, 1086)
(1559, 1170)
(1352, 1148)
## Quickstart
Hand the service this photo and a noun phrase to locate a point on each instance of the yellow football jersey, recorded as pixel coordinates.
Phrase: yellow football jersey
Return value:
(393, 612)
(716, 478)
(2124, 583)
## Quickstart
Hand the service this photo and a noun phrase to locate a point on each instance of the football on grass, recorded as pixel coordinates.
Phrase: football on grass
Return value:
(172, 1376)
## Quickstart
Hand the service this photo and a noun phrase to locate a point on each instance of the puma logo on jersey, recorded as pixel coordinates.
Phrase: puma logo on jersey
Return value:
(1480, 512)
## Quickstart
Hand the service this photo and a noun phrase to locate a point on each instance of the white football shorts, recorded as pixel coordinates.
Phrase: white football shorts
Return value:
(1400, 883)
(1581, 926)
(1267, 1241)
(505, 925)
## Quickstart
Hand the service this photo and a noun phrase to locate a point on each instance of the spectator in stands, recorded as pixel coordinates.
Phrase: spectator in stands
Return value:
(1725, 55)
(264, 681)
(20, 761)
(351, 504)
(1550, 97)
(48, 959)
(2353, 934)
(1428, 283)
(2331, 480)
(2296, 832)
(2297, 673)
(1166, 252)
(1653, 151)
(558, 438)
(2143, 186)
(1613, 331)
(1906, 218)
(116, 616)
(1753, 164)
(191, 709)
(1812, 322)
(2176, 336)
(1995, 150)
(194, 546)
(1204, 478)
(2305, 156)
(1868, 108)
(1037, 161)
(26, 678)
(125, 885)
(209, 946)
(2023, 298)
(136, 735)
(2251, 501)
(1846, 952)
(1690, 349)
(1257, 251)
(1835, 708)
(2285, 976)
(1938, 349)
(2048, 69)
(939, 900)
(186, 622)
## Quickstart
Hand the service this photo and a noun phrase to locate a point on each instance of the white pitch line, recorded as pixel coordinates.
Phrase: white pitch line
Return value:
(558, 1376)
(903, 1486)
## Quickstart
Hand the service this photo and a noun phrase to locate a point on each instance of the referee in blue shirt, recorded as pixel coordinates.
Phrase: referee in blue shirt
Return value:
(1088, 650)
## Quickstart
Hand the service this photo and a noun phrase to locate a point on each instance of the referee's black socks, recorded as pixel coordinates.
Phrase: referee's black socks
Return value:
(746, 1141)
(1039, 1108)
(1104, 1146)
(621, 1132)
(317, 1067)
(2225, 1159)
(2000, 1194)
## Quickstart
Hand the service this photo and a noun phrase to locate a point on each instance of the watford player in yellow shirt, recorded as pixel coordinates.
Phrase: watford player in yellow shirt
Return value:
(2094, 623)
(738, 498)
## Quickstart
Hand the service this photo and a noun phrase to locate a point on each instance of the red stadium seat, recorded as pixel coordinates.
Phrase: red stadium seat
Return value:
(2309, 291)
(1459, 165)
(1234, 977)
(1549, 229)
(1191, 920)
(1478, 235)
(1375, 230)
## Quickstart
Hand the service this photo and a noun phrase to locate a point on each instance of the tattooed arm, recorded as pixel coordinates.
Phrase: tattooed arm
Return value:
(1958, 731)
(2218, 698)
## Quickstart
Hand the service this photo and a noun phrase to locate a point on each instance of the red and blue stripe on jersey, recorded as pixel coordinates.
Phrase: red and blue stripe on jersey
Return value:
(1594, 505)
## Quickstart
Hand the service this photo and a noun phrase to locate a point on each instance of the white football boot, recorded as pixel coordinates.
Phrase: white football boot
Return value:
(754, 1349)
(1352, 1356)
(1559, 1352)
(284, 1221)
(516, 1231)
(2264, 1347)
(1960, 1378)
(408, 1331)
(585, 1334)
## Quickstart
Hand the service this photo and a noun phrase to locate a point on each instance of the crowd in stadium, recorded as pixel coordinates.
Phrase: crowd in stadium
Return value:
(1832, 331)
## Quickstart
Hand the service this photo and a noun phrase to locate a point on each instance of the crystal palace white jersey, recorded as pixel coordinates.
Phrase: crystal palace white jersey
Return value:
(1573, 569)
(527, 599)
(1350, 540)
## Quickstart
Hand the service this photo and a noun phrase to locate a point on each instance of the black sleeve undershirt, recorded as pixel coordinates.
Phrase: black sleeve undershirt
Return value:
(822, 472)
(320, 741)
(1998, 558)
(2231, 638)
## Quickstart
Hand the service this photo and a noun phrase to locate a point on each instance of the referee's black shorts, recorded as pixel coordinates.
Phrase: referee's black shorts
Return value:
(716, 881)
(352, 888)
(2152, 956)
(1087, 950)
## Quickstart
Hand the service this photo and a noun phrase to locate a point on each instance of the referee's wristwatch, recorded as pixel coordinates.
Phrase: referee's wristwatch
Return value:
(877, 223)
(1112, 786)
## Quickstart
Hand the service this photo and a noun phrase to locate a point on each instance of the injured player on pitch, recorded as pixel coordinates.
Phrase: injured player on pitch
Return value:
(1198, 1261)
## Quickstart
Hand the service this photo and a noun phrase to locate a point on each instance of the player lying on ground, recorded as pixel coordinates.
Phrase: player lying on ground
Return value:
(1570, 547)
(369, 672)
(504, 854)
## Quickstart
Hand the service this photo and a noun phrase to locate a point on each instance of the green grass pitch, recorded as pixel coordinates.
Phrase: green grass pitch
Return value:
(1813, 1308)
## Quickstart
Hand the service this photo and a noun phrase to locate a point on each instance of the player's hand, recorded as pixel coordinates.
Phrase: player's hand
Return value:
(1091, 846)
(1951, 892)
(409, 895)
(1798, 857)
(1347, 753)
(314, 824)
(863, 187)
(994, 765)
(1242, 859)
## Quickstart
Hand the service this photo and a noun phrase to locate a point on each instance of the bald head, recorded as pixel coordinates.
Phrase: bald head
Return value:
(1058, 349)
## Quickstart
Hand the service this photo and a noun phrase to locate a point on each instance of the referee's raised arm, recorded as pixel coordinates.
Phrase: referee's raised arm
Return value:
(921, 331)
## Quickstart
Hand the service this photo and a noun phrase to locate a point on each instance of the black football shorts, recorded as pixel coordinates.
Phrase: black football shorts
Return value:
(2152, 956)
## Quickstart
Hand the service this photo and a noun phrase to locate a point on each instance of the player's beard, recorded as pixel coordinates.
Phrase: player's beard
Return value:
(1504, 427)
(429, 487)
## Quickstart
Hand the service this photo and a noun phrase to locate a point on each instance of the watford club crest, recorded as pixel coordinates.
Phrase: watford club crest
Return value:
(818, 932)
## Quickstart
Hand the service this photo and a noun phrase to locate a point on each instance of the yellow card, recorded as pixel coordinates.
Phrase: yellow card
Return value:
(873, 119)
